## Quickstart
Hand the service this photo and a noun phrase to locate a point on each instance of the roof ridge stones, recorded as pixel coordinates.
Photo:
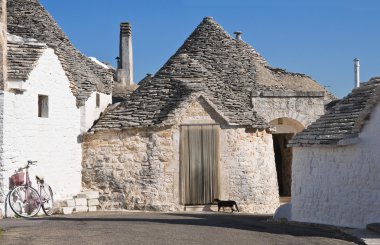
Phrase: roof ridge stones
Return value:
(371, 104)
(344, 121)
(29, 19)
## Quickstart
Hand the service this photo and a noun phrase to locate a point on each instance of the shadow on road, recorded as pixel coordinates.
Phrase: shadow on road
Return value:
(253, 223)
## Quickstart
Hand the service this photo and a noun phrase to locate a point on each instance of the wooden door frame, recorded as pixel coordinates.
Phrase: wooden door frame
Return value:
(217, 174)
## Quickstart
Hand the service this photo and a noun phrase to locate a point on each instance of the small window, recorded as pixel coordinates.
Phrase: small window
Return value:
(43, 106)
(97, 100)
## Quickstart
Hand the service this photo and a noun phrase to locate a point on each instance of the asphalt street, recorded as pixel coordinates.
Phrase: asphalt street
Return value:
(162, 228)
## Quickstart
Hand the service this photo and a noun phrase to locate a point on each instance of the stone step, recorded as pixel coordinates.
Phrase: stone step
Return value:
(81, 195)
(285, 199)
(68, 203)
(93, 202)
(67, 210)
(80, 202)
(86, 201)
(81, 209)
(91, 194)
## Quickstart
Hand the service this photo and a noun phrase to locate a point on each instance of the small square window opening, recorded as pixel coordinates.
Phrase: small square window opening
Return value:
(97, 100)
(43, 106)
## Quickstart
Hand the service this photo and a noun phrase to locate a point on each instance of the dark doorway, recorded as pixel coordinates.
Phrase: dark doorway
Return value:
(199, 163)
(283, 157)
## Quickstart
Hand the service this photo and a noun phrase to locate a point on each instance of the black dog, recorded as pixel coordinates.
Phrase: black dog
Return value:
(229, 204)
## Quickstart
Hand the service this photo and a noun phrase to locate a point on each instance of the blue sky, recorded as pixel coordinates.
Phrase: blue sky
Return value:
(317, 37)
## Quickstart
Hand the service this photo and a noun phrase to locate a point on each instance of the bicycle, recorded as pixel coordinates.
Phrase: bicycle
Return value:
(25, 200)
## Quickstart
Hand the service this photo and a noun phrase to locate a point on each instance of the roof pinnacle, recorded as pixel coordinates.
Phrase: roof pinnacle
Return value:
(208, 18)
(238, 35)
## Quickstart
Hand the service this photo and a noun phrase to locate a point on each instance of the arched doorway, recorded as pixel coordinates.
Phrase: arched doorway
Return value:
(284, 130)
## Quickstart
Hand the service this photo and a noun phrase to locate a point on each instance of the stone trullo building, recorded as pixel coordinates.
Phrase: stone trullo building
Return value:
(50, 94)
(214, 121)
(336, 164)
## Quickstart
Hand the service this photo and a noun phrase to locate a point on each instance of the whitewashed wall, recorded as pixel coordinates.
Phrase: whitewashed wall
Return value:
(90, 113)
(2, 180)
(339, 185)
(51, 141)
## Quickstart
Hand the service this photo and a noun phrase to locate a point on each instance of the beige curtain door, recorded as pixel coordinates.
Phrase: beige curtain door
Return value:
(199, 164)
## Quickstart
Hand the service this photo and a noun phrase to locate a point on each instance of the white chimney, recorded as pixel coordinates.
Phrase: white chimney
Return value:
(125, 59)
(357, 72)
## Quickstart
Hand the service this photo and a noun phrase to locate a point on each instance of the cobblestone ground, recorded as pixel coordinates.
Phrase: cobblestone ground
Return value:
(159, 228)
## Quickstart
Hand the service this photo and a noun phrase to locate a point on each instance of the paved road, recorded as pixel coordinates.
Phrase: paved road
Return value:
(159, 228)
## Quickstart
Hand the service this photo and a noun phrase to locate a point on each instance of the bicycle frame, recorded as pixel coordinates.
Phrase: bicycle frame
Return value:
(41, 188)
(27, 179)
(29, 184)
(40, 183)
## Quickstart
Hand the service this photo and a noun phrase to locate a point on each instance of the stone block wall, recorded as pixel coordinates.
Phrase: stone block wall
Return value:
(302, 109)
(248, 170)
(139, 168)
(339, 185)
(131, 169)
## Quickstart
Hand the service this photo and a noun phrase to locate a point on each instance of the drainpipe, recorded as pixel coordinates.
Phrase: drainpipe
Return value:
(357, 72)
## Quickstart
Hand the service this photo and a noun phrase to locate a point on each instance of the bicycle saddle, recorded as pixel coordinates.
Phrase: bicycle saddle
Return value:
(40, 178)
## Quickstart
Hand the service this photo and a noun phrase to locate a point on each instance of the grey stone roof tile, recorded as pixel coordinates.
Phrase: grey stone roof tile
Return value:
(344, 120)
(22, 58)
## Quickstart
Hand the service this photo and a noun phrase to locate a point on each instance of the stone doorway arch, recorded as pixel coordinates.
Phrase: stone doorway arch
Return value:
(286, 125)
(283, 130)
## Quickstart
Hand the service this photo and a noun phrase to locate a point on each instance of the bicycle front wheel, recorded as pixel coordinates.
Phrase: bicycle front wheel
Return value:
(47, 199)
(25, 201)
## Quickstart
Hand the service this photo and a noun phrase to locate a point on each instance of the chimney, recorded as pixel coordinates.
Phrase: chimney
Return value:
(3, 43)
(125, 59)
(238, 35)
(357, 72)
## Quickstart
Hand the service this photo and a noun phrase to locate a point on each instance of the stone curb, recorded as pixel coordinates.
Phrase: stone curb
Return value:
(324, 227)
(375, 227)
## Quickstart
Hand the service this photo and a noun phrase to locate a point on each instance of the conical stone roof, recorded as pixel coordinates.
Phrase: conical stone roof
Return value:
(210, 62)
(345, 120)
(29, 19)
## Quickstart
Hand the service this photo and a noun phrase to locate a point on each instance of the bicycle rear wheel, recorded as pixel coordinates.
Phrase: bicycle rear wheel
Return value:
(47, 199)
(25, 201)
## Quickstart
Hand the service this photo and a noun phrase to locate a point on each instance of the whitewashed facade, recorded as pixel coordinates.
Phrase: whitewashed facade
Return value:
(338, 184)
(53, 141)
(50, 94)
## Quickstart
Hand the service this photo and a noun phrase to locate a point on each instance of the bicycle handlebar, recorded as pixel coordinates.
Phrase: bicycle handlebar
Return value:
(30, 162)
